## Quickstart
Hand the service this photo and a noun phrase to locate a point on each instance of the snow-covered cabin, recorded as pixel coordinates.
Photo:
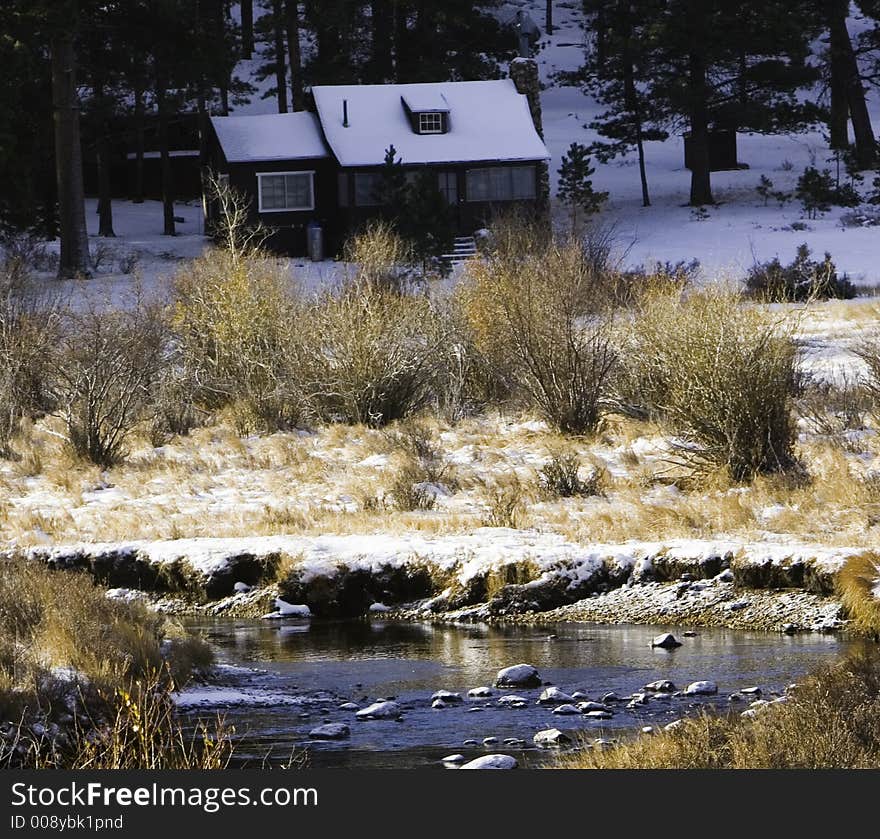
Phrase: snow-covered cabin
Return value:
(326, 167)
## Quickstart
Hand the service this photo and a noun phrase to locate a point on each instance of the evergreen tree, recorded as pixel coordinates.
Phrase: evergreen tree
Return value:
(616, 77)
(426, 221)
(575, 184)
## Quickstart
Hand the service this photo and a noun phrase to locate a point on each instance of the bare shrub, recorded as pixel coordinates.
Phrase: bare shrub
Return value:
(235, 321)
(833, 408)
(560, 477)
(719, 373)
(371, 353)
(106, 367)
(539, 318)
(29, 328)
(380, 257)
(506, 504)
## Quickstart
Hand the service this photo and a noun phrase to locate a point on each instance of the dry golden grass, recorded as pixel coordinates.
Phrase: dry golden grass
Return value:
(857, 584)
(831, 721)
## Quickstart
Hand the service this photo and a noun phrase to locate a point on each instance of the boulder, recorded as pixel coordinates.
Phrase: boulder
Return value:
(512, 701)
(599, 715)
(349, 706)
(551, 738)
(666, 641)
(611, 696)
(380, 711)
(519, 675)
(554, 696)
(566, 710)
(660, 686)
(330, 731)
(585, 707)
(292, 610)
(492, 762)
(447, 696)
(490, 741)
(241, 588)
(579, 695)
(454, 759)
(701, 689)
(480, 692)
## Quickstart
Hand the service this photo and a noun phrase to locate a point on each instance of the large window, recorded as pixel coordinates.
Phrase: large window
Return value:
(286, 191)
(368, 189)
(501, 183)
(431, 123)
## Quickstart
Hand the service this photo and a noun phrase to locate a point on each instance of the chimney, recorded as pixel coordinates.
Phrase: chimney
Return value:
(524, 74)
(345, 113)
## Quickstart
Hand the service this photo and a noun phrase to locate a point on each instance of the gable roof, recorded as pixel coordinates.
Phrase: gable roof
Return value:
(249, 139)
(488, 121)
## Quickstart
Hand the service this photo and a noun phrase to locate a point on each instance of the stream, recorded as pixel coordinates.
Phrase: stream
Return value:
(278, 680)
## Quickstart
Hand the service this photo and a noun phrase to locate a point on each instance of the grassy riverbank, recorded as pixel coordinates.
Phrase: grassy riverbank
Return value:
(831, 720)
(86, 681)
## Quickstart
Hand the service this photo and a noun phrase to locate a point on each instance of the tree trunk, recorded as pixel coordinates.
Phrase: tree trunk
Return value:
(294, 59)
(698, 95)
(138, 196)
(837, 48)
(279, 60)
(165, 159)
(105, 194)
(549, 26)
(843, 57)
(247, 28)
(381, 25)
(75, 259)
(631, 95)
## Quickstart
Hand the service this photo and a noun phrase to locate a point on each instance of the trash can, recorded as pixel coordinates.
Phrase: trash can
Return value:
(315, 241)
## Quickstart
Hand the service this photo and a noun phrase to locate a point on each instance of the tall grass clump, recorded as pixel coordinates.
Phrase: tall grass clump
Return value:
(87, 667)
(858, 586)
(830, 721)
(536, 313)
(719, 373)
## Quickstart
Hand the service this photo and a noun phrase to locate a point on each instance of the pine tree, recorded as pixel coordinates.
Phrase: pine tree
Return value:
(426, 221)
(575, 184)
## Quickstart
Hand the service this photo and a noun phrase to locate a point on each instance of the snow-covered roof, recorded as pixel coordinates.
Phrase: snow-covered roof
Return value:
(250, 139)
(488, 121)
(419, 101)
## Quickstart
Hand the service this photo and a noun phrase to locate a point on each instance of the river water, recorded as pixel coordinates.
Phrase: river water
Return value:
(279, 680)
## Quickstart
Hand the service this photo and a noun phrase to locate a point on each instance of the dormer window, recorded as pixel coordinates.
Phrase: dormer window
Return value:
(431, 123)
(426, 109)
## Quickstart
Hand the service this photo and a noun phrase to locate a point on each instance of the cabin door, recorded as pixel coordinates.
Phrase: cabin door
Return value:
(447, 181)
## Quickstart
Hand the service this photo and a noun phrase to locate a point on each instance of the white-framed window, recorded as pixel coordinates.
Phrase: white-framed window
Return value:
(431, 122)
(281, 192)
(501, 183)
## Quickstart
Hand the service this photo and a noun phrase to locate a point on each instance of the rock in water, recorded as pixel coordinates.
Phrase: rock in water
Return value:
(492, 762)
(478, 693)
(241, 588)
(701, 689)
(349, 706)
(566, 710)
(584, 707)
(490, 741)
(512, 701)
(551, 738)
(330, 731)
(667, 641)
(447, 696)
(292, 610)
(380, 711)
(660, 686)
(554, 696)
(519, 675)
(454, 759)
